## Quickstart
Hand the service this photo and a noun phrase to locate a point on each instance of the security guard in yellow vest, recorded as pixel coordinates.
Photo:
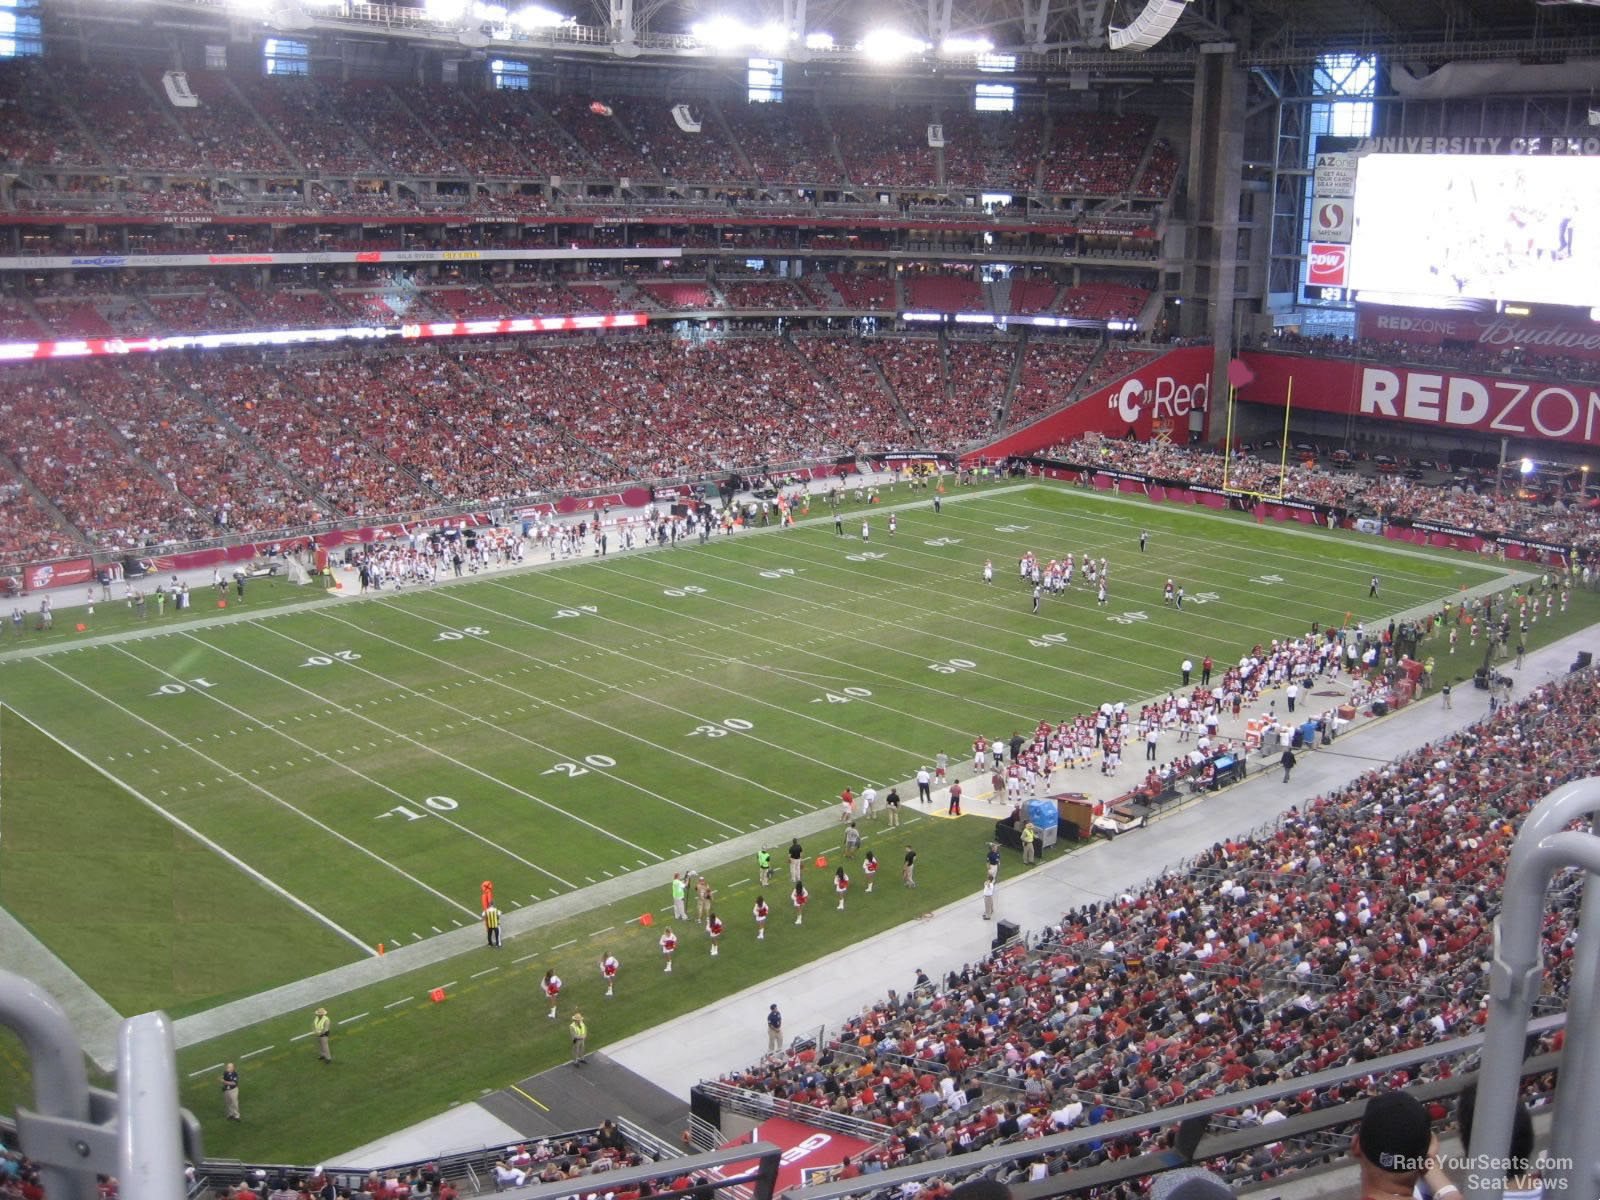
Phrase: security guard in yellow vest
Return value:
(322, 1027)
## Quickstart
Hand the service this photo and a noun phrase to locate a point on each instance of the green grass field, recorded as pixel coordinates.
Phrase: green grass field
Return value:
(200, 815)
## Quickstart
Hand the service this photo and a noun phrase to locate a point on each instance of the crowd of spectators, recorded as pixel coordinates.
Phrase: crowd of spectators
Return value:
(934, 292)
(36, 129)
(152, 452)
(1361, 493)
(226, 134)
(849, 399)
(875, 293)
(604, 139)
(1095, 155)
(1050, 373)
(914, 368)
(771, 294)
(704, 157)
(187, 444)
(203, 310)
(85, 470)
(679, 295)
(888, 149)
(784, 144)
(1104, 301)
(329, 127)
(998, 151)
(980, 373)
(1464, 356)
(1033, 296)
(292, 308)
(1160, 171)
(307, 417)
(307, 118)
(1354, 927)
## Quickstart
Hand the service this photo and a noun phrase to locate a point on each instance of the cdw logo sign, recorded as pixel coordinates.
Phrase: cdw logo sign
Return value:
(1327, 265)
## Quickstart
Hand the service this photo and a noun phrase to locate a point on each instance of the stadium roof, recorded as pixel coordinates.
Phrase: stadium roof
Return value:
(1047, 35)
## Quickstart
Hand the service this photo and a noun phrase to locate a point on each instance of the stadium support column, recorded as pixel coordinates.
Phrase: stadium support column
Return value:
(794, 21)
(623, 34)
(1215, 162)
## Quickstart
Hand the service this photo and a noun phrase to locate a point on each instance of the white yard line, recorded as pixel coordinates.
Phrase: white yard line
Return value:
(190, 830)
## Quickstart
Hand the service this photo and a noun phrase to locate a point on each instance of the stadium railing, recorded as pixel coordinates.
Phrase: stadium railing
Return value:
(748, 1103)
(1546, 844)
(754, 1167)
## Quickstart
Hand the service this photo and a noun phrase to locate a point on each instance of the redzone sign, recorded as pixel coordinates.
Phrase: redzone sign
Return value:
(1327, 265)
(1496, 406)
(1508, 406)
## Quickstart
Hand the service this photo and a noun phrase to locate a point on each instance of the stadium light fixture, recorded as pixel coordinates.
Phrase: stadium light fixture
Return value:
(536, 16)
(1527, 466)
(493, 13)
(720, 33)
(961, 45)
(889, 46)
(446, 12)
(733, 36)
(819, 41)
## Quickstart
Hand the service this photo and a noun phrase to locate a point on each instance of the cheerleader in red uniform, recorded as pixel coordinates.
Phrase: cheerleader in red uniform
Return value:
(761, 911)
(841, 886)
(800, 899)
(608, 969)
(870, 866)
(669, 946)
(552, 990)
(714, 929)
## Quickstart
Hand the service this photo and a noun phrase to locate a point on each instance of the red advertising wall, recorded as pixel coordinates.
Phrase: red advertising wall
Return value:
(1487, 330)
(1167, 390)
(1494, 405)
(810, 1154)
(57, 574)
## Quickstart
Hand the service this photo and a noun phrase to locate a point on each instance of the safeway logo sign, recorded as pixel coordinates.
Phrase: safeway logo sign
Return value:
(1330, 221)
(1328, 265)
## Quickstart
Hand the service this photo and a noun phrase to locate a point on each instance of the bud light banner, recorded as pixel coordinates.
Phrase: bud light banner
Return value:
(1488, 331)
(57, 574)
(1450, 401)
(1158, 398)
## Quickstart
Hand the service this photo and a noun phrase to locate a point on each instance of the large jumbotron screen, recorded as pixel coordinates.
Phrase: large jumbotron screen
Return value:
(1478, 226)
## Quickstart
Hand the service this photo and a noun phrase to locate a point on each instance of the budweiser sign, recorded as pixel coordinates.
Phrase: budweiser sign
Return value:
(1491, 331)
(1327, 265)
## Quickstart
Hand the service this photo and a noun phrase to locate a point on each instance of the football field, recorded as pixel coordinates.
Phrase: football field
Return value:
(367, 764)
(200, 814)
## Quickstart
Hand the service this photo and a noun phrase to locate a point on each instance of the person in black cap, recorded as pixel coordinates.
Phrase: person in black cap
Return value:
(1395, 1148)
